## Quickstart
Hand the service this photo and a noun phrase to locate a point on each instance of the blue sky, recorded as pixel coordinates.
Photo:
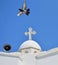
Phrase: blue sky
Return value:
(43, 19)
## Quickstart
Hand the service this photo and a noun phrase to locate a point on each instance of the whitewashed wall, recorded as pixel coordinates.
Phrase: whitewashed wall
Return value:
(48, 60)
(28, 59)
(5, 60)
(42, 58)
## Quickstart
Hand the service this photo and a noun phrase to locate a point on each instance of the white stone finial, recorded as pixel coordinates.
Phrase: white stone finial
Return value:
(30, 33)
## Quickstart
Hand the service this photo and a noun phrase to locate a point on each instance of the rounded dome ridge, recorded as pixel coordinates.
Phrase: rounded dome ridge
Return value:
(30, 43)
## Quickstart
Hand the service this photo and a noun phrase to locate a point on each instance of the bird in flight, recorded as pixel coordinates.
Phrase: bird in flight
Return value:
(24, 10)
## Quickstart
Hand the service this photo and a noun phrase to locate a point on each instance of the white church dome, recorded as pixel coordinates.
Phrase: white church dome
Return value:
(30, 43)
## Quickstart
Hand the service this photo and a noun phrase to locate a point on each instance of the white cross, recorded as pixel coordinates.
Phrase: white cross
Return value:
(30, 33)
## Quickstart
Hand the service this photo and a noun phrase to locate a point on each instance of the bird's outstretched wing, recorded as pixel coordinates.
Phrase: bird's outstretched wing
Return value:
(20, 13)
(24, 5)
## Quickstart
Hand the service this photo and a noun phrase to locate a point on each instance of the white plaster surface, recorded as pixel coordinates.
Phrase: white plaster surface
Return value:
(50, 60)
(42, 58)
(4, 60)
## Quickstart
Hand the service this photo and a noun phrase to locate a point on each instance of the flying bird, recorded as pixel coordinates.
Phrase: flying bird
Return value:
(24, 10)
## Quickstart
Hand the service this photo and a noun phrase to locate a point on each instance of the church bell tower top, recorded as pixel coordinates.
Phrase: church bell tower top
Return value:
(30, 43)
